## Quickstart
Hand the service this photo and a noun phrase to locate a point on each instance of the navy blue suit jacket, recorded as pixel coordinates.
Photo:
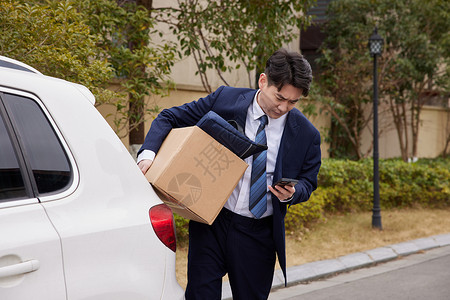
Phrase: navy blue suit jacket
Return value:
(298, 156)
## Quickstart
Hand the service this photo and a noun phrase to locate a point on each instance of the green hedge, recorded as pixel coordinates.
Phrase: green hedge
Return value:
(347, 186)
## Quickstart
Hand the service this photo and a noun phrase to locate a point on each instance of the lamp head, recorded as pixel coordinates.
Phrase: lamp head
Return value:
(375, 43)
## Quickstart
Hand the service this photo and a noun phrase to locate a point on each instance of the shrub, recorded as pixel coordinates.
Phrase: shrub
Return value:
(182, 229)
(300, 216)
(347, 186)
(425, 183)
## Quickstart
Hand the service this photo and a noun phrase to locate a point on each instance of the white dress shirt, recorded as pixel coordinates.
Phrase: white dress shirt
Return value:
(238, 202)
(239, 199)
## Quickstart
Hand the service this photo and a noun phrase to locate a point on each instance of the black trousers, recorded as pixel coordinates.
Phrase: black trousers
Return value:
(240, 246)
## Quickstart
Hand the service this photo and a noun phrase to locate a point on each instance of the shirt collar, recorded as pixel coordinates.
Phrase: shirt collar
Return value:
(257, 110)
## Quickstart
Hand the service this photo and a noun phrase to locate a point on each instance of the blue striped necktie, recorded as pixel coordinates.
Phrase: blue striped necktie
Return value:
(258, 183)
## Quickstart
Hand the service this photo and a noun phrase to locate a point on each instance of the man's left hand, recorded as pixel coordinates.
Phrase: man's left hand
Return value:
(282, 192)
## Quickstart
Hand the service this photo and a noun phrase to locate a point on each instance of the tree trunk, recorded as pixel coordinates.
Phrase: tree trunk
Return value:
(136, 125)
(447, 142)
(415, 124)
(416, 110)
(405, 131)
(398, 113)
(136, 106)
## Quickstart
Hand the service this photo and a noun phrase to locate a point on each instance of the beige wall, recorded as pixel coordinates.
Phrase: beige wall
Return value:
(175, 98)
(322, 122)
(432, 135)
(433, 132)
(181, 96)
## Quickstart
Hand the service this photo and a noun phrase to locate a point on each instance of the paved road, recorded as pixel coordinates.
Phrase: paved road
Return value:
(424, 275)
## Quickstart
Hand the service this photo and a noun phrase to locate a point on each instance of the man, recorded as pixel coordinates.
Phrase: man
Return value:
(249, 231)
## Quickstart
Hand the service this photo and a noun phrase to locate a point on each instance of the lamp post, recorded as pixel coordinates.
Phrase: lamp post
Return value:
(375, 47)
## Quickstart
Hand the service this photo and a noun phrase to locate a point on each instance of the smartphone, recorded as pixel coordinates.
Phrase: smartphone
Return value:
(286, 181)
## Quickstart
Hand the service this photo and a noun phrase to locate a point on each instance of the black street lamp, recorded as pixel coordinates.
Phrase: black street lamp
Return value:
(375, 47)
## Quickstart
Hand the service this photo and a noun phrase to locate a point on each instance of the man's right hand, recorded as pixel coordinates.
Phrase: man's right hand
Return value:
(144, 165)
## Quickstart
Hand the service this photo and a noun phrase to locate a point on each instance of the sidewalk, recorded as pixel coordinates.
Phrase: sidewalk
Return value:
(324, 268)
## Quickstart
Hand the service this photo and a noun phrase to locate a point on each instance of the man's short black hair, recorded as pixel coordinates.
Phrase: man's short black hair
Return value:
(285, 67)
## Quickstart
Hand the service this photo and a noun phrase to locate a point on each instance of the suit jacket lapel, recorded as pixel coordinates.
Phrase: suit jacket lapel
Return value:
(289, 134)
(242, 104)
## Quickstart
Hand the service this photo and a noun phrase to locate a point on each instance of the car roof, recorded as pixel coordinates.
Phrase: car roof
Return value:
(10, 63)
(7, 62)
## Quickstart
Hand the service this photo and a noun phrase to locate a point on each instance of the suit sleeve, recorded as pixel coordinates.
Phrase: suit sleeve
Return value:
(309, 172)
(176, 117)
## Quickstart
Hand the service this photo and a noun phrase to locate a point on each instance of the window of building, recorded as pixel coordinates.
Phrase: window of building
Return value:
(311, 38)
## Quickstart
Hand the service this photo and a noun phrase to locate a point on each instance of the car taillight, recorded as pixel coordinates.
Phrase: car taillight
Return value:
(162, 221)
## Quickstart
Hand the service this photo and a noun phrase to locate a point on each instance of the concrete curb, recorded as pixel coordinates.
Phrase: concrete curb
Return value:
(324, 268)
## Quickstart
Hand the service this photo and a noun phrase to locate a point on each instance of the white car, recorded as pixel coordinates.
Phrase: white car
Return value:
(78, 219)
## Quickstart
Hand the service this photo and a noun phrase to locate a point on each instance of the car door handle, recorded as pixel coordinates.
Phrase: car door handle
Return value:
(20, 268)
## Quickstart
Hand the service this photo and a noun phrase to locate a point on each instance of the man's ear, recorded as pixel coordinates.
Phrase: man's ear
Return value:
(262, 82)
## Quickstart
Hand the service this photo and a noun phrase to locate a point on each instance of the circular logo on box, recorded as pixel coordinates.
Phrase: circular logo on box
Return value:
(185, 187)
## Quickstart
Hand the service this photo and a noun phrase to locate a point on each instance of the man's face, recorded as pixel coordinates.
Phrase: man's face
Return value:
(276, 103)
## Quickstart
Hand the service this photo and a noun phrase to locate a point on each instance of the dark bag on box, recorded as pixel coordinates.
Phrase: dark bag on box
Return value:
(229, 136)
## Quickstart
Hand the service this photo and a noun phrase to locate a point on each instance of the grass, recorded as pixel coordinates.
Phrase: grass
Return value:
(340, 235)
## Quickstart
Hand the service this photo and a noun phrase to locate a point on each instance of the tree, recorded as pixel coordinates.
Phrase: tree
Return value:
(222, 35)
(141, 66)
(416, 48)
(342, 84)
(51, 37)
(416, 63)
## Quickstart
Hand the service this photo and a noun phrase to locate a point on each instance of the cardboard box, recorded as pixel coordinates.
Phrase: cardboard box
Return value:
(194, 174)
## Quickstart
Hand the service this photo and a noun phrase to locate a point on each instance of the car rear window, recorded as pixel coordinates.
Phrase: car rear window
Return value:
(42, 151)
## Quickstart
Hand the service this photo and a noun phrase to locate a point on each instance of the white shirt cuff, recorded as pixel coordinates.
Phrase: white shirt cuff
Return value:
(146, 154)
(287, 200)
